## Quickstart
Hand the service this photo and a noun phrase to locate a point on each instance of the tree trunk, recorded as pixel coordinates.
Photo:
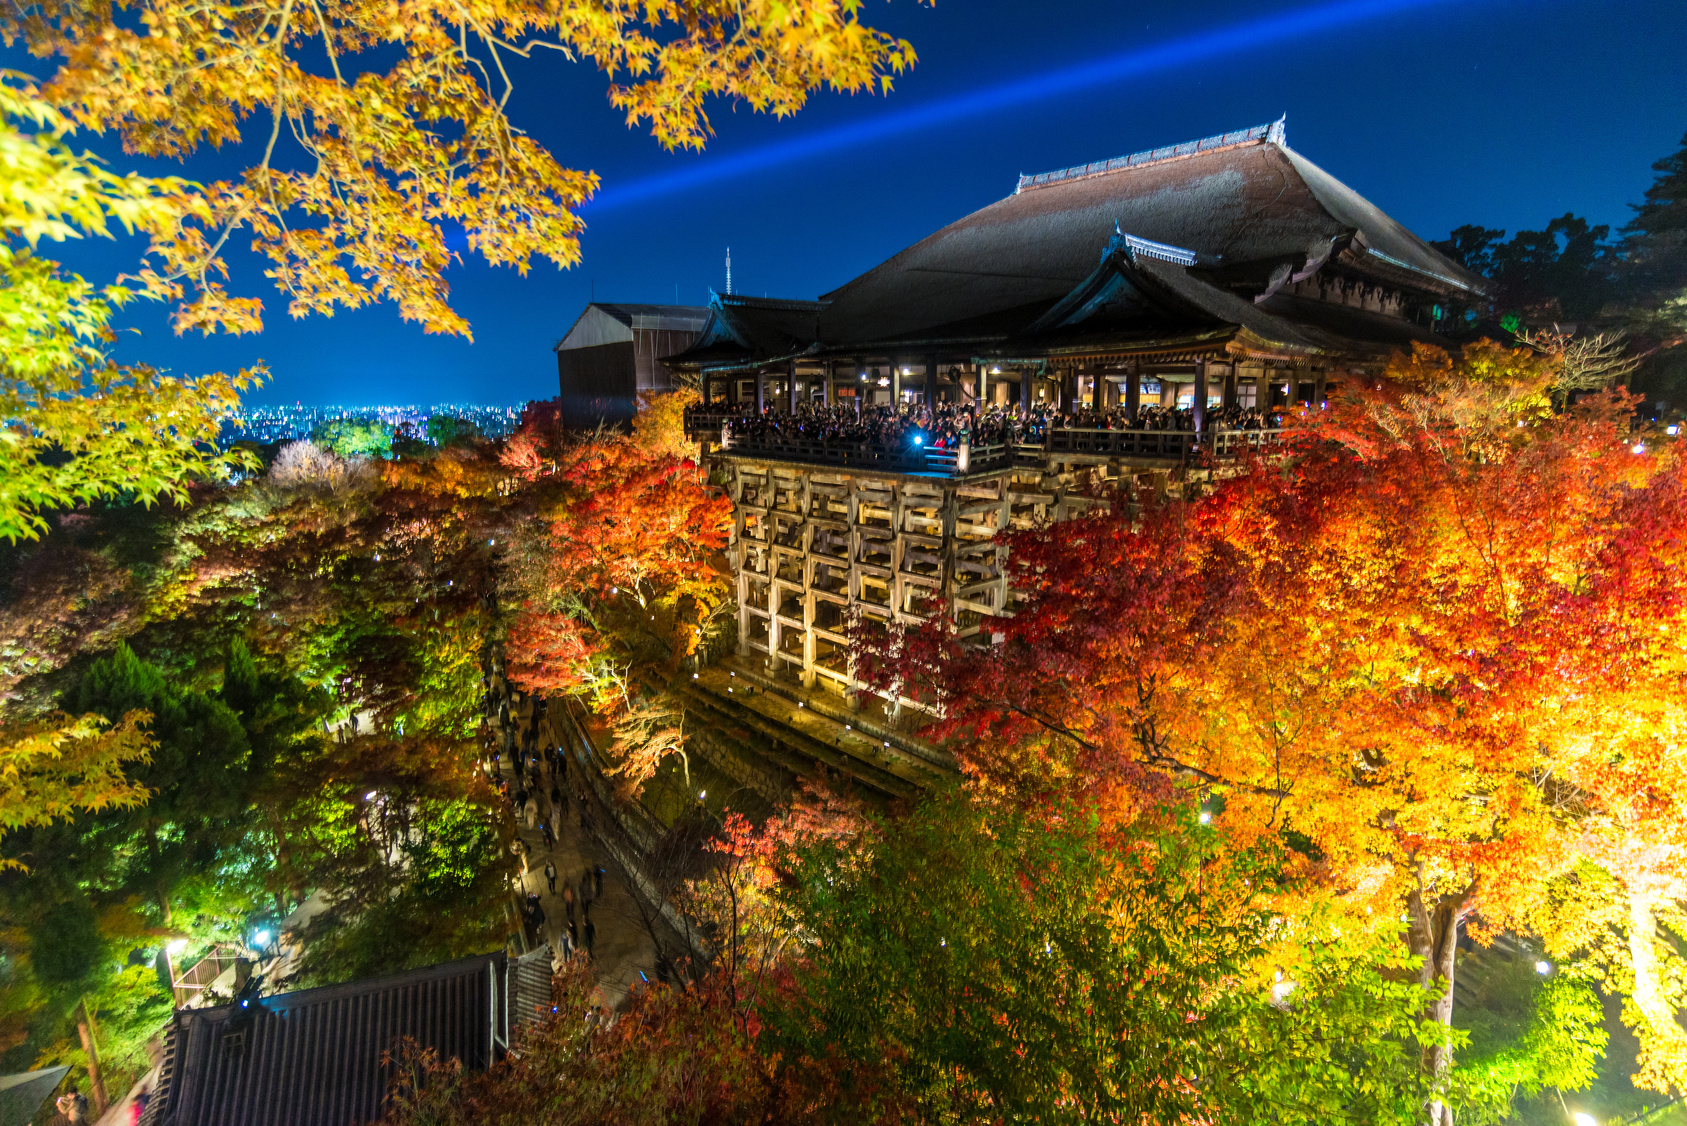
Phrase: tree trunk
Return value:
(1433, 935)
(1662, 1042)
(96, 1082)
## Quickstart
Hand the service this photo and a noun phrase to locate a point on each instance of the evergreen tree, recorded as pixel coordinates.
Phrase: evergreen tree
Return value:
(198, 775)
(1665, 209)
(1655, 282)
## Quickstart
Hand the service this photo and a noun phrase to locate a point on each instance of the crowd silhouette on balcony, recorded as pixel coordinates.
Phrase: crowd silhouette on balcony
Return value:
(912, 427)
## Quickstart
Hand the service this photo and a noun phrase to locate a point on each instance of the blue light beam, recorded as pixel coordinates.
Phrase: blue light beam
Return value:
(1200, 47)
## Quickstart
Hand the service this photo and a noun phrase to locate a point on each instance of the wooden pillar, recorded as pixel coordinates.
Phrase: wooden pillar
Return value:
(895, 384)
(1262, 390)
(983, 385)
(1098, 389)
(1199, 404)
(1230, 391)
(1318, 391)
(863, 387)
(761, 391)
(931, 382)
(791, 386)
(831, 383)
(1133, 389)
(1025, 388)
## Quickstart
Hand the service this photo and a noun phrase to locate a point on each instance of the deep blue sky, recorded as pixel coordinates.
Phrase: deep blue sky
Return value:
(1503, 112)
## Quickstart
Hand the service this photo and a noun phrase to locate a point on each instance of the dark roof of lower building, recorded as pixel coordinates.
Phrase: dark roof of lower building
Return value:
(315, 1057)
(21, 1095)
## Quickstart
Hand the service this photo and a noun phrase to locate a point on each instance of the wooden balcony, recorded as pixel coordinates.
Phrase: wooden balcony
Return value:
(1149, 445)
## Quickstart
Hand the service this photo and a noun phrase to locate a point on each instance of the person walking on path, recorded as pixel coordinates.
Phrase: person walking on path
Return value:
(532, 812)
(550, 877)
(591, 937)
(550, 837)
(558, 803)
(568, 900)
(597, 882)
(586, 888)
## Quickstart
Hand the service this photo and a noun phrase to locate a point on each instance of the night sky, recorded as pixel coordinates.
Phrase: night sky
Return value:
(1502, 112)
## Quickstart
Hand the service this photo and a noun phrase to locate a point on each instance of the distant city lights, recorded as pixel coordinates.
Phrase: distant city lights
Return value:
(264, 424)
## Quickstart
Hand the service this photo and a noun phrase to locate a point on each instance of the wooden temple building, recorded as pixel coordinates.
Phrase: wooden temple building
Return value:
(1229, 272)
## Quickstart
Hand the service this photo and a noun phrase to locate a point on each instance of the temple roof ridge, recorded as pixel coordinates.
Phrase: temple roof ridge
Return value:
(745, 301)
(1274, 133)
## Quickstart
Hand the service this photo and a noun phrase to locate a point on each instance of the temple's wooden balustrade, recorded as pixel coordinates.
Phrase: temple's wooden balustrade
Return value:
(1174, 446)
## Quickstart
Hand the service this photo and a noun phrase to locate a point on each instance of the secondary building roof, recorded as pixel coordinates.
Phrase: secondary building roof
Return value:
(604, 322)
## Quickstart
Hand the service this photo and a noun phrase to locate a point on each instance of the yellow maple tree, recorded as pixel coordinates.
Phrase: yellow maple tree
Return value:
(366, 174)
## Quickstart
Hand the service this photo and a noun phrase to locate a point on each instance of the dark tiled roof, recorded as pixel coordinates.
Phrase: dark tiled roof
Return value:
(1211, 231)
(313, 1058)
(626, 313)
(752, 328)
(21, 1095)
(1251, 202)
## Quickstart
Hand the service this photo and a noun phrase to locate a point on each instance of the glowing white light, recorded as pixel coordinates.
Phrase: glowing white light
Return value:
(918, 441)
(1282, 989)
(261, 938)
(1640, 447)
(1584, 1119)
(995, 371)
(370, 796)
(1543, 967)
(701, 794)
(1206, 817)
(177, 946)
(1672, 430)
(377, 558)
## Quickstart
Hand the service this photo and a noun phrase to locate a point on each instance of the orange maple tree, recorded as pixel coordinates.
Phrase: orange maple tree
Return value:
(1438, 651)
(617, 575)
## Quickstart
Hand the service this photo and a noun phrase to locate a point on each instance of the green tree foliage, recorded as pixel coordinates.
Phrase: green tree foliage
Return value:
(78, 426)
(983, 965)
(198, 774)
(448, 430)
(354, 437)
(1527, 1034)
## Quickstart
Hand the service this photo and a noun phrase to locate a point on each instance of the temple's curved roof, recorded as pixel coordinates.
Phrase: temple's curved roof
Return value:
(1247, 199)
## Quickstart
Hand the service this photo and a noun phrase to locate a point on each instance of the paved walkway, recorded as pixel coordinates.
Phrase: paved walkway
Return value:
(622, 949)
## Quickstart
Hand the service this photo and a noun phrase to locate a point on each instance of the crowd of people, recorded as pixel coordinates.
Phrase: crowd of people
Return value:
(520, 769)
(949, 425)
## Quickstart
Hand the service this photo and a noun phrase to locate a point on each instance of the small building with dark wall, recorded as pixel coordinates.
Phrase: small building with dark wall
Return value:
(614, 352)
